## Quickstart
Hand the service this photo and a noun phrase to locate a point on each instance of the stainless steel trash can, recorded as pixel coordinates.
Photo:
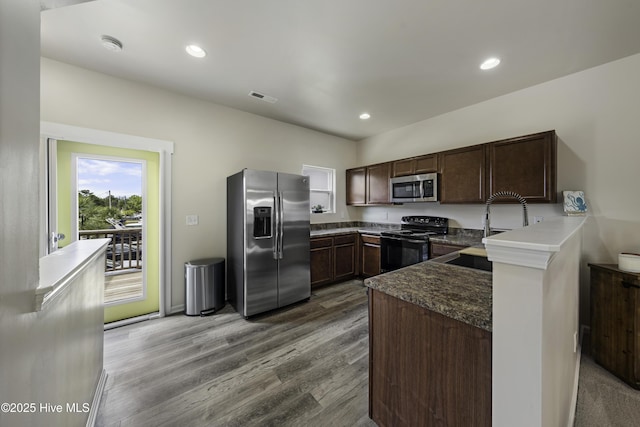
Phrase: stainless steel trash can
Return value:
(204, 286)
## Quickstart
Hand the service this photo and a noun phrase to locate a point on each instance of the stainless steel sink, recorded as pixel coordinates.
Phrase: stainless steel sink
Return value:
(466, 260)
(472, 261)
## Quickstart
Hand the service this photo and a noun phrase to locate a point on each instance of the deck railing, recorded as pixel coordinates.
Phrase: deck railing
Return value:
(124, 252)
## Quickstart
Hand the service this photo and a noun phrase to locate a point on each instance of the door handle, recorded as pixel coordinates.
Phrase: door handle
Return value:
(281, 217)
(54, 238)
(274, 226)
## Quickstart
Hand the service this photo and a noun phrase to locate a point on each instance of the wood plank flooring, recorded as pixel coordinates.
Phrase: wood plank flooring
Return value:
(301, 366)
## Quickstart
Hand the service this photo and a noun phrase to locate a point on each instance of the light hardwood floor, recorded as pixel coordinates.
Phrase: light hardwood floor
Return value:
(302, 366)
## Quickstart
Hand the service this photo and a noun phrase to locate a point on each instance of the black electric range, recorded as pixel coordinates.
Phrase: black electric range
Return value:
(410, 244)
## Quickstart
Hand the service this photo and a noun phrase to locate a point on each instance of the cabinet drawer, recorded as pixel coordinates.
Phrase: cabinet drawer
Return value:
(370, 239)
(344, 239)
(321, 242)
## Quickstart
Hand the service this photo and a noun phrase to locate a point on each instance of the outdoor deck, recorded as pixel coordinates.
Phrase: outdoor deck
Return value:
(123, 262)
(122, 286)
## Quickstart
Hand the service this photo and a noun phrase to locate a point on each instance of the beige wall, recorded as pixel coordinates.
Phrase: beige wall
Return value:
(595, 114)
(211, 142)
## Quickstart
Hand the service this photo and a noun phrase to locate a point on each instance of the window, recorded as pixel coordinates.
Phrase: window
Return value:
(322, 186)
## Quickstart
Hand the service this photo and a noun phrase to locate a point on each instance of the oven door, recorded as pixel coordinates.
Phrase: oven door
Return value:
(398, 252)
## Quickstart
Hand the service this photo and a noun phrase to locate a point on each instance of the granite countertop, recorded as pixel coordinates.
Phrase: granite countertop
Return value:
(346, 230)
(459, 293)
(455, 239)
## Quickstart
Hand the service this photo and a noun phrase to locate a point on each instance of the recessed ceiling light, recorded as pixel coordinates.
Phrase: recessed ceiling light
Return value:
(490, 63)
(365, 116)
(195, 50)
(111, 43)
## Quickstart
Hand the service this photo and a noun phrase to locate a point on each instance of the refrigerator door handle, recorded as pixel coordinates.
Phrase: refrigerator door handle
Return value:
(274, 226)
(281, 228)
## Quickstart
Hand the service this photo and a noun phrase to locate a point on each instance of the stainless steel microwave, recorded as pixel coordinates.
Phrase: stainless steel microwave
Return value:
(414, 188)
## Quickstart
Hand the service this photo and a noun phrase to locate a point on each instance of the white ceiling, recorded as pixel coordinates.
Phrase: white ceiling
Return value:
(329, 60)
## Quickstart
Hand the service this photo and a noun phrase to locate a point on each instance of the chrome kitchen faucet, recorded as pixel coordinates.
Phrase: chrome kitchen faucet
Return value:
(499, 195)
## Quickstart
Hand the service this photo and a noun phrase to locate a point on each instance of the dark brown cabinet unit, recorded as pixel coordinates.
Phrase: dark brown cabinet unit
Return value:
(356, 186)
(369, 255)
(426, 369)
(368, 185)
(463, 175)
(321, 260)
(415, 165)
(439, 249)
(378, 184)
(333, 259)
(526, 165)
(615, 321)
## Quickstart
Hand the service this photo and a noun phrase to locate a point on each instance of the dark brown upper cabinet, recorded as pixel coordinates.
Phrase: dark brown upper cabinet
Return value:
(415, 165)
(357, 186)
(378, 184)
(368, 185)
(463, 175)
(526, 165)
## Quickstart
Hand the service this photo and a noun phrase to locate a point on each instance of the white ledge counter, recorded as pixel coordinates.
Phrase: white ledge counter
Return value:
(58, 270)
(536, 282)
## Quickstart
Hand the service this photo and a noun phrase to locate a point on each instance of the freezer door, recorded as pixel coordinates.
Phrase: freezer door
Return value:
(261, 265)
(294, 264)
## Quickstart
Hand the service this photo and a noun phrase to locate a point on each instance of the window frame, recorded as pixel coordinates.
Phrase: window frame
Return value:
(330, 192)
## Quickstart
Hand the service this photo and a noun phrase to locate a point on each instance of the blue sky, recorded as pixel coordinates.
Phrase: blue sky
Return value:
(102, 176)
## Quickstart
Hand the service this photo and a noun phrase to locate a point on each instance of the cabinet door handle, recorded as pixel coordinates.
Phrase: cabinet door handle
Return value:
(627, 285)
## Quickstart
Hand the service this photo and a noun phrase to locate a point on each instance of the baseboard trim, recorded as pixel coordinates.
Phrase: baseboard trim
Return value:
(177, 309)
(97, 397)
(576, 379)
(131, 320)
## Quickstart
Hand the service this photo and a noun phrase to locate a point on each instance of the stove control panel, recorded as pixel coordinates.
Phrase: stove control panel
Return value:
(433, 221)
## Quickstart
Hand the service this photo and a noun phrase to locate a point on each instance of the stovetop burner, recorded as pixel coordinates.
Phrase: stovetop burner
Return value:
(420, 227)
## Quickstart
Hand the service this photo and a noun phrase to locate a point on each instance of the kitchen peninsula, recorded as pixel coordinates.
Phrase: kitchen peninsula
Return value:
(430, 346)
(499, 347)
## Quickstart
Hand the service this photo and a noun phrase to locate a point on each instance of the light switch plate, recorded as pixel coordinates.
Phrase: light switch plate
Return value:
(192, 219)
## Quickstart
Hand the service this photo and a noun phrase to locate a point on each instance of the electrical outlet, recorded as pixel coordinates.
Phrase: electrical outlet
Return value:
(537, 219)
(192, 219)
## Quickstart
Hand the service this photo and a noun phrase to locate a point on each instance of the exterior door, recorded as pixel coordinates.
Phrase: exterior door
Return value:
(67, 221)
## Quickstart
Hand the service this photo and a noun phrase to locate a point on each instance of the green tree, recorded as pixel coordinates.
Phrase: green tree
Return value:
(134, 204)
(93, 211)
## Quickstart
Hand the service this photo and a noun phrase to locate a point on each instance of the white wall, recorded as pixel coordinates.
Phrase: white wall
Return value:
(43, 357)
(535, 317)
(595, 114)
(211, 142)
(19, 219)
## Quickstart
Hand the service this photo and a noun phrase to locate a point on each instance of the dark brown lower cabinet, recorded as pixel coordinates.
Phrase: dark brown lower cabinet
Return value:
(426, 369)
(333, 259)
(615, 321)
(321, 261)
(439, 249)
(369, 255)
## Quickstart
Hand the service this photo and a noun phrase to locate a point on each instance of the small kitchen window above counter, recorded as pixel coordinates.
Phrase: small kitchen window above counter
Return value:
(322, 188)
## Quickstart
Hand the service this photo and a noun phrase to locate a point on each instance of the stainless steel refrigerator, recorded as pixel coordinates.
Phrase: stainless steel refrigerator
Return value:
(268, 254)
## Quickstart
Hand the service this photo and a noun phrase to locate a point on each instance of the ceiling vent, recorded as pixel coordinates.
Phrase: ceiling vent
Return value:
(263, 97)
